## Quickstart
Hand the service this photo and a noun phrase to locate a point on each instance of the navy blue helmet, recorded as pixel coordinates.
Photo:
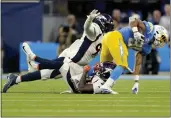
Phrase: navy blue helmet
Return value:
(104, 69)
(105, 22)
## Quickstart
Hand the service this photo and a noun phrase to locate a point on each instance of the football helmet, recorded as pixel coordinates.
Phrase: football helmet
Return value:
(160, 36)
(105, 22)
(104, 69)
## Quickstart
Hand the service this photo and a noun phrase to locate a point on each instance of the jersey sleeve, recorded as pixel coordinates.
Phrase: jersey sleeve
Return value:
(149, 29)
(96, 31)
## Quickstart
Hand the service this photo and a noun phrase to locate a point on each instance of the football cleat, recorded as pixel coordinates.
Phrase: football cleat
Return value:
(11, 81)
(30, 55)
(107, 90)
(135, 88)
(32, 66)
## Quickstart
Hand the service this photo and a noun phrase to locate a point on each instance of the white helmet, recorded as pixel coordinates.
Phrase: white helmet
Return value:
(160, 36)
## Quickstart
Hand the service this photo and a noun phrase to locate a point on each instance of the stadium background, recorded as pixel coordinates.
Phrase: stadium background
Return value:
(35, 22)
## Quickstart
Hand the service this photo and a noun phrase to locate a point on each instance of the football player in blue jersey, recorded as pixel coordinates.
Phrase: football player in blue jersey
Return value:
(139, 36)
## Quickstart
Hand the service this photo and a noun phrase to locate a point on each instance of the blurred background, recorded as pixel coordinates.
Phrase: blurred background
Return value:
(52, 26)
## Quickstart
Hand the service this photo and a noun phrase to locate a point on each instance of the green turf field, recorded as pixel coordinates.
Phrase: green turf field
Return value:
(42, 98)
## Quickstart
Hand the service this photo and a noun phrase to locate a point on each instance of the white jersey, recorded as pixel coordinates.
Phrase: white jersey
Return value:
(72, 73)
(97, 83)
(83, 50)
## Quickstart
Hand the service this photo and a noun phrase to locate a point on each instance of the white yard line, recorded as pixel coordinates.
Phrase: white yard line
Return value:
(65, 111)
(82, 100)
(80, 97)
(89, 105)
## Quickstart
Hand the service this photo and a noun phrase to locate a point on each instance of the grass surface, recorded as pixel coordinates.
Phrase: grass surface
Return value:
(42, 98)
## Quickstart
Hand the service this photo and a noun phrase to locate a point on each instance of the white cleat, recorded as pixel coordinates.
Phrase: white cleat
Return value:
(32, 66)
(135, 88)
(28, 51)
(108, 90)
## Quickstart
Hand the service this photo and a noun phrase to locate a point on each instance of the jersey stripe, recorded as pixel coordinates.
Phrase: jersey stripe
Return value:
(83, 48)
(71, 84)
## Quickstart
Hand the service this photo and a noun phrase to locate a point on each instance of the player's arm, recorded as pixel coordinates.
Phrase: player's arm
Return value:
(137, 66)
(88, 28)
(83, 86)
(136, 24)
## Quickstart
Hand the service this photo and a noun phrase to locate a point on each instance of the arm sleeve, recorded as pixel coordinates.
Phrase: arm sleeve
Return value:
(90, 29)
(149, 29)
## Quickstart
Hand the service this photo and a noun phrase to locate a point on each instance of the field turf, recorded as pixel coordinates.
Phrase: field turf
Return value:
(42, 98)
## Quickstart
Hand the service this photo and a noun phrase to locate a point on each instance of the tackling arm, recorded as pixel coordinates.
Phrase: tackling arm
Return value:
(83, 86)
(88, 27)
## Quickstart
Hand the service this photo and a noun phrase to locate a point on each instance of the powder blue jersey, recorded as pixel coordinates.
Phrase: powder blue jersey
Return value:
(127, 34)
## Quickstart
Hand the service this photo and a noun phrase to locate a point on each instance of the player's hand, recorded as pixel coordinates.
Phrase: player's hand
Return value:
(94, 14)
(138, 36)
(86, 68)
(135, 88)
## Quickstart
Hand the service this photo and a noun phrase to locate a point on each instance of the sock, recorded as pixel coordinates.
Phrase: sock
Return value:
(48, 73)
(31, 76)
(18, 80)
(136, 78)
(114, 76)
(109, 82)
(54, 73)
(49, 64)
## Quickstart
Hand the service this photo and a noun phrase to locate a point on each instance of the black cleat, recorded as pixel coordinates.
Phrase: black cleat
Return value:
(11, 81)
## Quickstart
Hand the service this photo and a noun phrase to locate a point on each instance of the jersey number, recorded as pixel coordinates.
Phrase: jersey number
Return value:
(98, 48)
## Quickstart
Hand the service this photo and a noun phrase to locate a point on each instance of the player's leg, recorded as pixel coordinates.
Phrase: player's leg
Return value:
(119, 52)
(49, 64)
(105, 54)
(33, 76)
(44, 63)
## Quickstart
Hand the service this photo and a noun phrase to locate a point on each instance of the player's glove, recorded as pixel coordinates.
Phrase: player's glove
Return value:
(135, 88)
(86, 68)
(135, 44)
(138, 36)
(93, 14)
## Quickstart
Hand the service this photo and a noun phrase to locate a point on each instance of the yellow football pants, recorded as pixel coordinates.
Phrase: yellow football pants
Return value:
(114, 49)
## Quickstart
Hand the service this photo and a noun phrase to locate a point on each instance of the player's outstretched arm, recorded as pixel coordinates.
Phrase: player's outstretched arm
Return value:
(138, 62)
(136, 24)
(87, 25)
(83, 86)
(137, 67)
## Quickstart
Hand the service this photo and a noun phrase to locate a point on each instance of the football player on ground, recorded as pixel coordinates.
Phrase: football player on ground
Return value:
(82, 51)
(82, 80)
(140, 36)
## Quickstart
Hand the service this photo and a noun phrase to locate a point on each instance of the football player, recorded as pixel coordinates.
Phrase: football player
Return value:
(81, 80)
(140, 36)
(82, 51)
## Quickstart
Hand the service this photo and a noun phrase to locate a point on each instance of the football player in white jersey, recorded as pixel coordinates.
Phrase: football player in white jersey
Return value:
(80, 80)
(82, 51)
